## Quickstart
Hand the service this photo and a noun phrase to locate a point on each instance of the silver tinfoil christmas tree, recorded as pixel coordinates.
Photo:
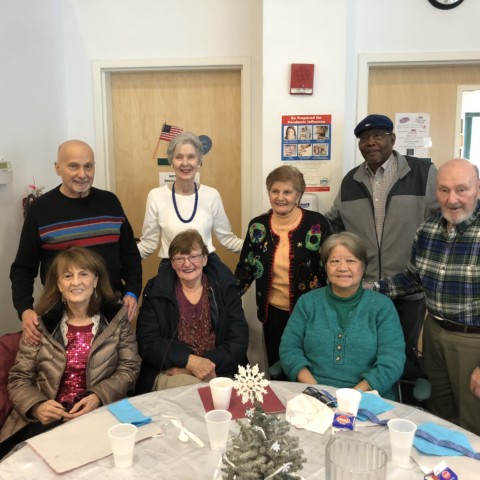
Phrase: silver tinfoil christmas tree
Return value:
(263, 449)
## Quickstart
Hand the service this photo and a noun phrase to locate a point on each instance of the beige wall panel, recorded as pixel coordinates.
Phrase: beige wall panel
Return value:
(423, 89)
(204, 102)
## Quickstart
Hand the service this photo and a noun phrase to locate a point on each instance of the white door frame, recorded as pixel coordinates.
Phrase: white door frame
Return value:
(458, 123)
(366, 61)
(102, 95)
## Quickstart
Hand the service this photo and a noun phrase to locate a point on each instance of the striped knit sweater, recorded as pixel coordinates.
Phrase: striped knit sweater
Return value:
(55, 222)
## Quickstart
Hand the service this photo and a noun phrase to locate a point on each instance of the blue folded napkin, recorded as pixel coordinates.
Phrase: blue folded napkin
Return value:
(374, 404)
(127, 413)
(441, 434)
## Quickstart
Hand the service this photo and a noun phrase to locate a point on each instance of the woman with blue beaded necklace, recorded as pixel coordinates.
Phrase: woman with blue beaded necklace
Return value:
(185, 204)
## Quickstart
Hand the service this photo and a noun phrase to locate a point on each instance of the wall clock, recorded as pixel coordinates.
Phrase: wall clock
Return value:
(445, 4)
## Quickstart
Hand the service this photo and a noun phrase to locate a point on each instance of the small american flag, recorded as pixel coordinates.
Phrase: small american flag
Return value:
(169, 132)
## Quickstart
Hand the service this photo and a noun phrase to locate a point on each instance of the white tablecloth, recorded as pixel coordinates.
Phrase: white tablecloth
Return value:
(167, 458)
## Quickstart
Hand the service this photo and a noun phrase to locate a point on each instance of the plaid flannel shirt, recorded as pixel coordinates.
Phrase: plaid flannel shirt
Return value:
(446, 266)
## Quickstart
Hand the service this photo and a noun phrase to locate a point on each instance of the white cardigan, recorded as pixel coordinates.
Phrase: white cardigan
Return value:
(162, 223)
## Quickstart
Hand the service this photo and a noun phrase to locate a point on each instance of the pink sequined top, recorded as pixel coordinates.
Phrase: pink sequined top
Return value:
(73, 384)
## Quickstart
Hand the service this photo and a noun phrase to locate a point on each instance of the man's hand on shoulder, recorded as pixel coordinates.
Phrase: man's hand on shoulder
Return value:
(132, 306)
(30, 327)
(368, 285)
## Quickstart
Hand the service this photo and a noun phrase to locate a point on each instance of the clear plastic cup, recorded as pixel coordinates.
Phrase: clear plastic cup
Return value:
(122, 439)
(218, 427)
(401, 440)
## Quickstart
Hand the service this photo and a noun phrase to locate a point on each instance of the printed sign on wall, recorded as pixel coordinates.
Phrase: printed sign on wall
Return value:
(306, 137)
(413, 134)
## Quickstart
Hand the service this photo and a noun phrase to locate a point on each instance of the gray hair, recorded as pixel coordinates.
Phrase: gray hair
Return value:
(182, 139)
(350, 241)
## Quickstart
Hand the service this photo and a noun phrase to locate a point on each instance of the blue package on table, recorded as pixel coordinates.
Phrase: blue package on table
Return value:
(343, 421)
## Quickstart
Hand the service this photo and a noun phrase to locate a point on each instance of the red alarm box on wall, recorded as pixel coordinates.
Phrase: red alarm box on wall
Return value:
(301, 79)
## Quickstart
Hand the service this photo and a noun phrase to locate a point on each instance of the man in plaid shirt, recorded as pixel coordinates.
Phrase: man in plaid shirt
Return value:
(445, 264)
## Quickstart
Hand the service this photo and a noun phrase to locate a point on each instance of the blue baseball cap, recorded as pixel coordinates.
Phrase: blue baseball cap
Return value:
(373, 121)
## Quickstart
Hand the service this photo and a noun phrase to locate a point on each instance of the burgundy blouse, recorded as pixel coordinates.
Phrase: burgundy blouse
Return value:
(195, 325)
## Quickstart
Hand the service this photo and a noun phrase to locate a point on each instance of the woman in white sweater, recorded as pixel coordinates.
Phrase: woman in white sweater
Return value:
(185, 204)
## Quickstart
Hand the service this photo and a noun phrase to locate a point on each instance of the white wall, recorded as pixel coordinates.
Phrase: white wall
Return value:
(414, 26)
(33, 120)
(151, 29)
(305, 31)
(49, 96)
(332, 35)
(47, 49)
(403, 27)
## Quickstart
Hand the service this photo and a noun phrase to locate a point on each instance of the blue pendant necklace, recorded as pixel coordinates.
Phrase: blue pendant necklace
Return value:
(194, 206)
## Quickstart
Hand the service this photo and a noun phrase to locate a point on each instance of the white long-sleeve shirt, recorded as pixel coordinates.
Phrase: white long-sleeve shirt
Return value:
(162, 223)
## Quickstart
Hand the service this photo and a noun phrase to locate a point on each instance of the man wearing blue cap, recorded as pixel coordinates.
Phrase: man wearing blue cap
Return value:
(384, 200)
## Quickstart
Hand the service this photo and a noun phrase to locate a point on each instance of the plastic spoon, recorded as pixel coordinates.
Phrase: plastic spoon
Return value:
(184, 432)
(182, 436)
(177, 422)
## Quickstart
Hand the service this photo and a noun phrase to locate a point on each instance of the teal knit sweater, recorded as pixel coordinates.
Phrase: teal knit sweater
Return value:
(370, 346)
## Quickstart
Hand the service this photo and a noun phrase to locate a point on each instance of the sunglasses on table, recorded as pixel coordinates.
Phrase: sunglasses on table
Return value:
(322, 397)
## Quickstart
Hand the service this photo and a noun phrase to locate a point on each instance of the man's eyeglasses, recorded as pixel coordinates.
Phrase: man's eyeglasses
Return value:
(180, 261)
(313, 392)
(375, 136)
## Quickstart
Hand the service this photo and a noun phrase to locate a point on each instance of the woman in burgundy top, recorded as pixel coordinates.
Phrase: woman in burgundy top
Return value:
(88, 354)
(191, 326)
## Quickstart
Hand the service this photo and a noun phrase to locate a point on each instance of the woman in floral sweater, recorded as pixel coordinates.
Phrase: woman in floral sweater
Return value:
(281, 253)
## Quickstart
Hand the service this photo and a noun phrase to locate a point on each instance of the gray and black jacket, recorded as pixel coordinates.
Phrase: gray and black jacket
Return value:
(411, 200)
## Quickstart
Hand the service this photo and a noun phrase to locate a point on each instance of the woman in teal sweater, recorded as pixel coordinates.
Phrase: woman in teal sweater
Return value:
(342, 335)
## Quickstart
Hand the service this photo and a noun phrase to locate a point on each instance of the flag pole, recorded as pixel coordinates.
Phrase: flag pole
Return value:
(158, 143)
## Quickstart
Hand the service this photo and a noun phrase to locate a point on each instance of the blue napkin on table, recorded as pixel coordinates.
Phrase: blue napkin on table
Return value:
(374, 404)
(440, 433)
(127, 413)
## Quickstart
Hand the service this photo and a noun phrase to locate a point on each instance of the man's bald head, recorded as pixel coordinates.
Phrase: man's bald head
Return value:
(76, 165)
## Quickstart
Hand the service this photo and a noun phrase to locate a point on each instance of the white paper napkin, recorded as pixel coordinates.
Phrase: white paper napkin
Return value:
(82, 440)
(304, 411)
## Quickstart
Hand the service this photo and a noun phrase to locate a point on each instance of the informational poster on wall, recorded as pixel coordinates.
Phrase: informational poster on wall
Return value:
(306, 137)
(413, 134)
(306, 142)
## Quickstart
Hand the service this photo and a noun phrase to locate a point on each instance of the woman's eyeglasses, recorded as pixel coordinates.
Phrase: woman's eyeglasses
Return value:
(313, 392)
(180, 261)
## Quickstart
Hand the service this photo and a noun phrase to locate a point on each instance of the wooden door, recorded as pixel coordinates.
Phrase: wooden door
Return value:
(206, 102)
(430, 89)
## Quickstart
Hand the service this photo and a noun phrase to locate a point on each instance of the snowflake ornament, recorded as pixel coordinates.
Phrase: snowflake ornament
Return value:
(249, 412)
(275, 447)
(250, 383)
